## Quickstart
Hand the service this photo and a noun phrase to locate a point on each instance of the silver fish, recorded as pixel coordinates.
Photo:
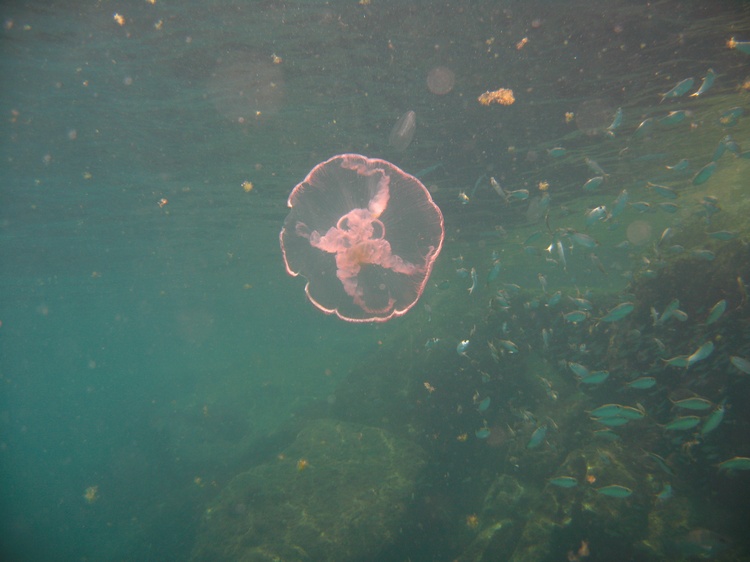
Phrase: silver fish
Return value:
(741, 363)
(619, 312)
(682, 88)
(701, 353)
(474, 281)
(716, 311)
(708, 81)
(595, 215)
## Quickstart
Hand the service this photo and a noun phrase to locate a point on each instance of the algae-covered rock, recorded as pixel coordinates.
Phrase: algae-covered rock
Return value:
(339, 492)
(499, 529)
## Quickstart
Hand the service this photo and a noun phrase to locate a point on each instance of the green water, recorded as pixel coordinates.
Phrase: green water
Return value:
(152, 345)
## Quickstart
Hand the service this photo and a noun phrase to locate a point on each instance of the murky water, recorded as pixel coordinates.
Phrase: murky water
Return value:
(155, 352)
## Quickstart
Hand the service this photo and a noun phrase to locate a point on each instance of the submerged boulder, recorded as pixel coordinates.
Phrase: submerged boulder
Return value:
(339, 492)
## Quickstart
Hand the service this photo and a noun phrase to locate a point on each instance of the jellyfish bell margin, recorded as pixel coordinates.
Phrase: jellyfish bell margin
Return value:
(365, 235)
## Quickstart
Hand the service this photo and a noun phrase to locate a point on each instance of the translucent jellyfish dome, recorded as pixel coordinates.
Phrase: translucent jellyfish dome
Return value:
(365, 235)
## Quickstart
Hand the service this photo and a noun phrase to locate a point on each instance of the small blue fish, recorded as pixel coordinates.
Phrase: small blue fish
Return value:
(645, 128)
(701, 353)
(614, 421)
(474, 281)
(714, 419)
(544, 203)
(422, 173)
(595, 215)
(660, 462)
(495, 271)
(741, 46)
(731, 117)
(704, 173)
(432, 343)
(578, 369)
(575, 316)
(584, 240)
(518, 195)
(542, 282)
(462, 347)
(662, 190)
(708, 81)
(533, 237)
(681, 166)
(597, 377)
(674, 117)
(593, 183)
(563, 481)
(582, 304)
(615, 491)
(631, 413)
(482, 433)
(642, 383)
(620, 204)
(673, 305)
(732, 146)
(680, 315)
(616, 122)
(557, 152)
(606, 411)
(716, 311)
(508, 346)
(499, 190)
(537, 437)
(561, 254)
(721, 148)
(665, 494)
(619, 312)
(669, 312)
(695, 403)
(641, 206)
(710, 206)
(736, 463)
(554, 299)
(594, 167)
(723, 235)
(705, 255)
(679, 361)
(669, 207)
(682, 423)
(741, 363)
(606, 435)
(682, 88)
(484, 404)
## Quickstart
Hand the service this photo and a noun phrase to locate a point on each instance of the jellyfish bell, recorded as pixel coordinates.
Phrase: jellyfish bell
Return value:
(593, 117)
(365, 235)
(440, 80)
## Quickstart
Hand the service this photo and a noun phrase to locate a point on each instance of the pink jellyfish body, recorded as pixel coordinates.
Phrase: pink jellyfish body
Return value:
(365, 234)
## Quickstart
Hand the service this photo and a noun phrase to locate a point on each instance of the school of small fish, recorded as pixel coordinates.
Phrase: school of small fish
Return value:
(671, 396)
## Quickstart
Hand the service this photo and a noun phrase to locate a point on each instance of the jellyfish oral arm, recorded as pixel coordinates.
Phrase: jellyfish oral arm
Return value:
(349, 264)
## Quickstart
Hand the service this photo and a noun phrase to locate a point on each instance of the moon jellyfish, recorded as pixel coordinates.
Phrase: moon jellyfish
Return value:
(639, 233)
(441, 80)
(593, 117)
(403, 131)
(365, 235)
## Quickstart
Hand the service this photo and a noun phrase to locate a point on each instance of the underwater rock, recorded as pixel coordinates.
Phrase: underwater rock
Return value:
(563, 515)
(498, 533)
(339, 492)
